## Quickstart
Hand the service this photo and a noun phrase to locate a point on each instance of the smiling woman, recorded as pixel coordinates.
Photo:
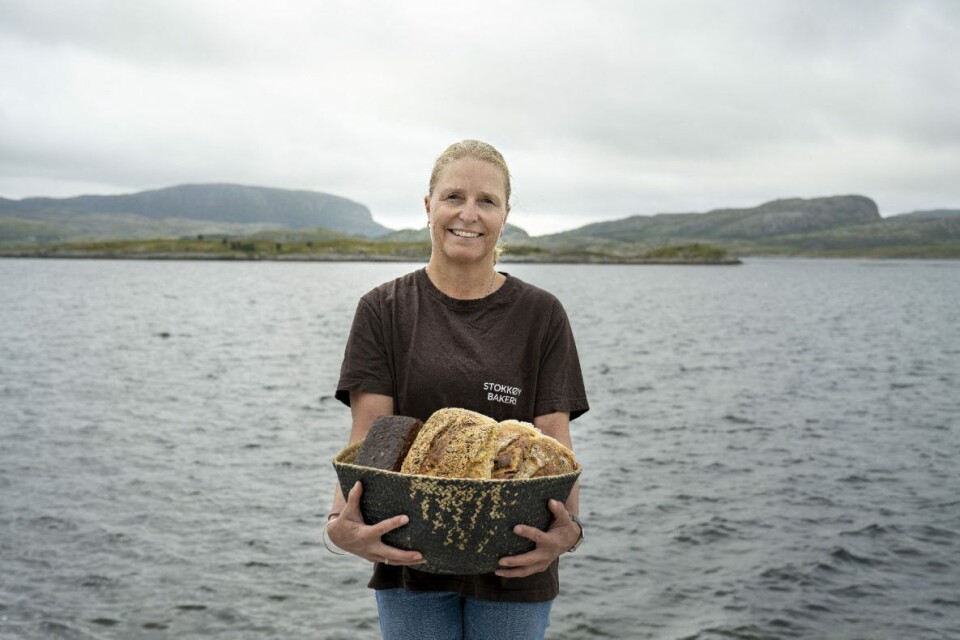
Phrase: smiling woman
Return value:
(467, 208)
(459, 334)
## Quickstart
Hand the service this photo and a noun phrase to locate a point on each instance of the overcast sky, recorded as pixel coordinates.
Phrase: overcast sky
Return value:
(603, 109)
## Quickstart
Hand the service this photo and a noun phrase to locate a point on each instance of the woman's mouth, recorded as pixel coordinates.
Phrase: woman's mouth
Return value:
(465, 234)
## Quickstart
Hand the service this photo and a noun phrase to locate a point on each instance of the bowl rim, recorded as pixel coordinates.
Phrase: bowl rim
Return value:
(354, 448)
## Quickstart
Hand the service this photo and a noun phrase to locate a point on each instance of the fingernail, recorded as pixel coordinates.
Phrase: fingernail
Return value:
(404, 519)
(356, 484)
(517, 529)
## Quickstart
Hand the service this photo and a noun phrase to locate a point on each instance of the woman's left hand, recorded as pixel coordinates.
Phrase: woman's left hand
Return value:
(551, 544)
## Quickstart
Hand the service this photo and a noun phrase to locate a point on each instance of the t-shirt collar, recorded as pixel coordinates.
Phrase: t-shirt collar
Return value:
(424, 281)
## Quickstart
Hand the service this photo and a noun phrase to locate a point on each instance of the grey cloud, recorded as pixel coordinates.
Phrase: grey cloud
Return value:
(153, 32)
(605, 109)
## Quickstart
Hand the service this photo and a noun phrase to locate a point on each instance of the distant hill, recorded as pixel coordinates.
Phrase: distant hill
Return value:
(830, 226)
(893, 237)
(190, 208)
(932, 214)
(775, 218)
(847, 225)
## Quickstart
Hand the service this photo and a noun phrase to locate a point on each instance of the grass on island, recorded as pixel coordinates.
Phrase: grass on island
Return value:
(334, 246)
(247, 248)
(688, 253)
(293, 246)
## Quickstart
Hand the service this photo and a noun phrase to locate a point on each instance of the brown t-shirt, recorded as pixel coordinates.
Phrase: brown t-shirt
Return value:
(508, 355)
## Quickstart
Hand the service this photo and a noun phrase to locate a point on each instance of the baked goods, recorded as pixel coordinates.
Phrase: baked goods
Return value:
(388, 442)
(454, 443)
(458, 443)
(513, 442)
(524, 452)
(547, 457)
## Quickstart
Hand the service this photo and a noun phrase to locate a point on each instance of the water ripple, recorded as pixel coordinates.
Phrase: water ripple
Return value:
(770, 451)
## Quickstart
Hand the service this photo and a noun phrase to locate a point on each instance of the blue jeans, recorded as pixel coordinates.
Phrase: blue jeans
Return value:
(441, 615)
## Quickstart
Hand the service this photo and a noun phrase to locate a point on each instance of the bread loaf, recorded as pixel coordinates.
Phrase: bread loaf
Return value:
(457, 443)
(513, 443)
(454, 443)
(388, 442)
(524, 452)
(547, 457)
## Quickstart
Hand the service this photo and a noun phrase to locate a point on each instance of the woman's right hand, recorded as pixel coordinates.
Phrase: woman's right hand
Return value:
(349, 532)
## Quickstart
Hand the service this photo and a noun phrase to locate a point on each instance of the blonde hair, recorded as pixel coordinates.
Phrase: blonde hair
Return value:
(481, 151)
(469, 149)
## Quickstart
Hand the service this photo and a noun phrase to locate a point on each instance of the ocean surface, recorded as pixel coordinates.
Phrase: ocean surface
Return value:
(772, 450)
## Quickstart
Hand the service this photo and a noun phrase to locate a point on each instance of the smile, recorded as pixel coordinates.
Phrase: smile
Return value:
(465, 234)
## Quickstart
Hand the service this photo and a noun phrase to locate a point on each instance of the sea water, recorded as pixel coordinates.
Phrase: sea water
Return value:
(771, 450)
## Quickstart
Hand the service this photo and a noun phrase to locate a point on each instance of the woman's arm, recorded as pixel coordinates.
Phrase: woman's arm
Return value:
(557, 426)
(365, 408)
(347, 529)
(563, 532)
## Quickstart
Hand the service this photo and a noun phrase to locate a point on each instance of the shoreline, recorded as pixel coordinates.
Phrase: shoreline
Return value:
(216, 257)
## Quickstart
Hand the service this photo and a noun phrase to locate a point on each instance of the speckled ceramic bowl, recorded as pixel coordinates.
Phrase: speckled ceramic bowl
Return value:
(461, 526)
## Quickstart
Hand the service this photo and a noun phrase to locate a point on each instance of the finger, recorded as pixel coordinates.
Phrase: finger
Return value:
(521, 572)
(530, 533)
(388, 525)
(402, 561)
(535, 557)
(400, 557)
(353, 500)
(393, 563)
(559, 511)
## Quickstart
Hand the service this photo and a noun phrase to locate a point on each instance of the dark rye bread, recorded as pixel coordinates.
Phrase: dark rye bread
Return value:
(388, 442)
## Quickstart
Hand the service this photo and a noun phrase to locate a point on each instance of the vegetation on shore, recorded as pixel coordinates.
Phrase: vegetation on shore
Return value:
(328, 245)
(333, 246)
(236, 248)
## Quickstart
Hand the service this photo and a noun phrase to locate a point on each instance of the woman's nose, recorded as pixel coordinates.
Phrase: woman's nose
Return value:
(470, 211)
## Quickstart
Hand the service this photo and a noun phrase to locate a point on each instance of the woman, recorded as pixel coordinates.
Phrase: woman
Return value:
(460, 334)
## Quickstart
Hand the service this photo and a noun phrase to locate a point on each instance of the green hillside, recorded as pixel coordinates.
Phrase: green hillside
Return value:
(193, 208)
(829, 226)
(282, 223)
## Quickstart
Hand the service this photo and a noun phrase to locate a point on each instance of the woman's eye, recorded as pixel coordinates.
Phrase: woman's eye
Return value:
(453, 196)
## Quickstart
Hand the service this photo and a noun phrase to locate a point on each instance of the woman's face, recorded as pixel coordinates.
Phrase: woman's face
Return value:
(467, 210)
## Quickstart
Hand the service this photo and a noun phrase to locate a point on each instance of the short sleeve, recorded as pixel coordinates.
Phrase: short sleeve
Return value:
(366, 364)
(560, 380)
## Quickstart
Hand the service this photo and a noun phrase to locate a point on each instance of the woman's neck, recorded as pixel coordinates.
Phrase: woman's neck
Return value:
(463, 282)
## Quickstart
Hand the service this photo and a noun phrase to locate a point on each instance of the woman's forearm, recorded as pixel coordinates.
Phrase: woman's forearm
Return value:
(364, 409)
(557, 426)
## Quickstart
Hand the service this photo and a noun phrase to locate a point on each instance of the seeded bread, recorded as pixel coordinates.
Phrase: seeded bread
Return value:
(454, 443)
(513, 442)
(524, 452)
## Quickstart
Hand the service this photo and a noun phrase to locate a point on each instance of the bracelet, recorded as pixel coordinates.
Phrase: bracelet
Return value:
(323, 537)
(579, 541)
